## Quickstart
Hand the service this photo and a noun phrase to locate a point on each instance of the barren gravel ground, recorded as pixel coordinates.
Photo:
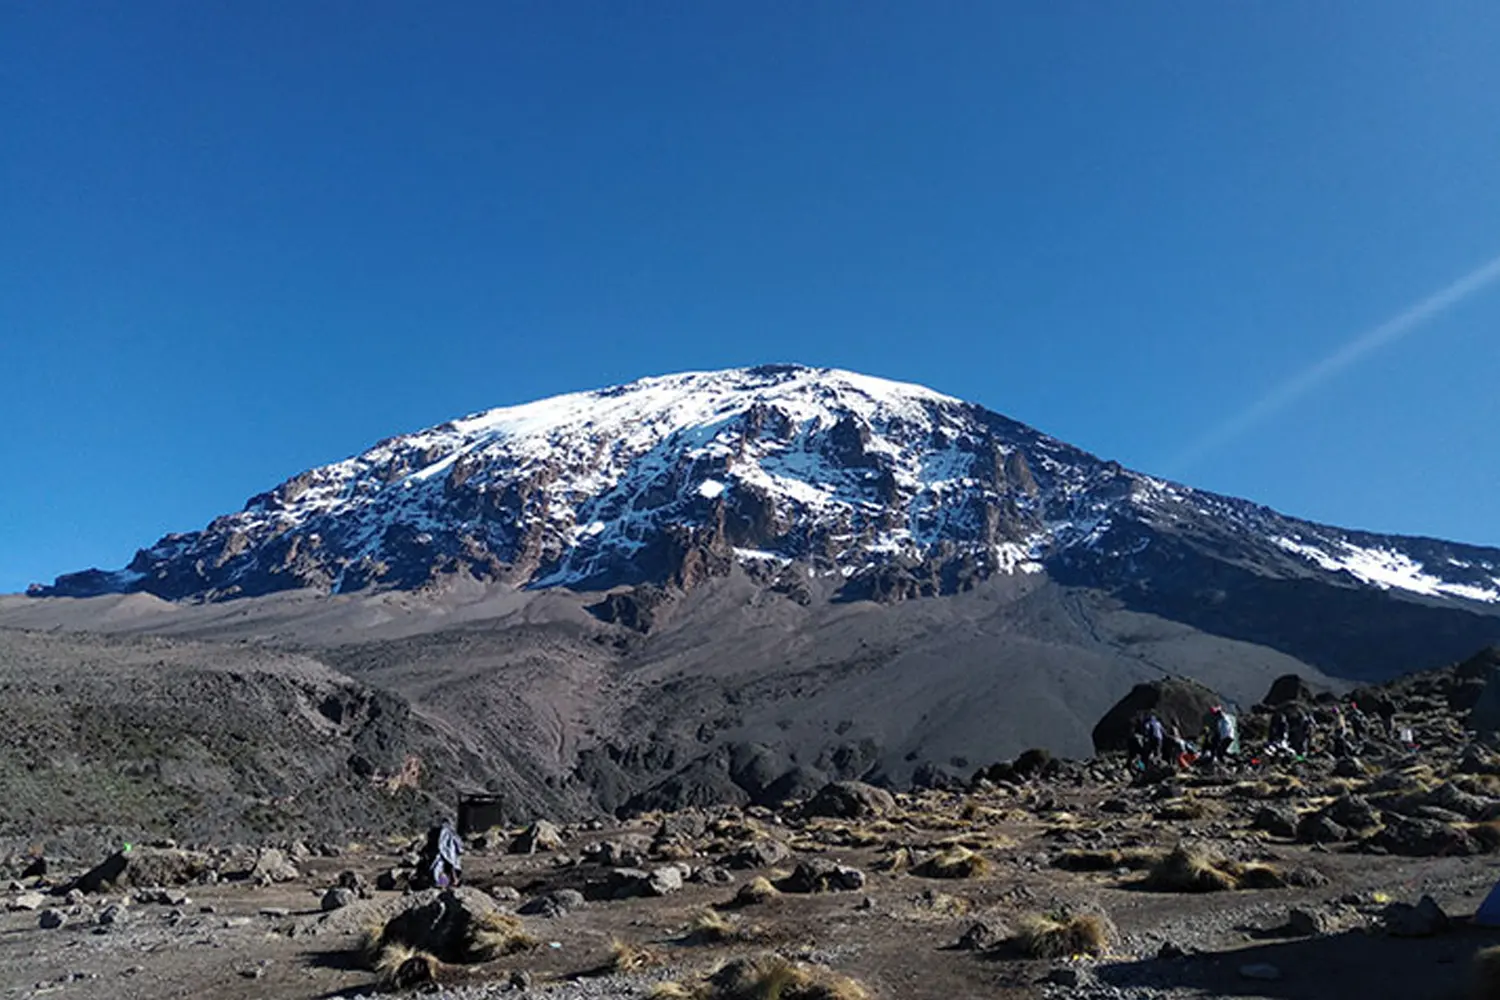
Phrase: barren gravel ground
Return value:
(896, 935)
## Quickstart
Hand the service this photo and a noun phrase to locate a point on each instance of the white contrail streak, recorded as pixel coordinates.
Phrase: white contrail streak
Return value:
(1315, 375)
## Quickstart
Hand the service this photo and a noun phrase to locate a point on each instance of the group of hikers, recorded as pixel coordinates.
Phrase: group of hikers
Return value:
(1296, 730)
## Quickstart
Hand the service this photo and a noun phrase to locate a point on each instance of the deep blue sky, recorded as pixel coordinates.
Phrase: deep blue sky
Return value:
(238, 240)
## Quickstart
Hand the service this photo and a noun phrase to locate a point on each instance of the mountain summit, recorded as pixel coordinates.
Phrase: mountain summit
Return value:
(795, 475)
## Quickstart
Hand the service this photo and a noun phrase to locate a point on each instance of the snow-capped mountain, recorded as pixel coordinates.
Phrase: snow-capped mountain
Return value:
(887, 490)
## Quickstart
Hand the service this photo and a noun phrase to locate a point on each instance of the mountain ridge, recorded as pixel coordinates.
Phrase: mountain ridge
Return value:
(783, 470)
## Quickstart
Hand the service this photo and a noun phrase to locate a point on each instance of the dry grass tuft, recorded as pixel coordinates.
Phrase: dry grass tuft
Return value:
(398, 967)
(1484, 974)
(491, 935)
(1185, 808)
(990, 840)
(712, 927)
(1257, 876)
(757, 890)
(1060, 937)
(626, 957)
(924, 819)
(898, 860)
(1184, 870)
(669, 991)
(955, 862)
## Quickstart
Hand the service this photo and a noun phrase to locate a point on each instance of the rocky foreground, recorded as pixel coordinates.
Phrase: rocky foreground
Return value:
(1353, 875)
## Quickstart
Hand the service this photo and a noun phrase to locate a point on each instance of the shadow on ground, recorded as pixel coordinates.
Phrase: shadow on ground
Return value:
(1365, 964)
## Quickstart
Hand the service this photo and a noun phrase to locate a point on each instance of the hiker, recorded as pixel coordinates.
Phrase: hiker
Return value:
(1279, 729)
(1219, 733)
(1343, 744)
(1152, 738)
(1299, 730)
(440, 866)
(1359, 724)
(1173, 747)
(1385, 711)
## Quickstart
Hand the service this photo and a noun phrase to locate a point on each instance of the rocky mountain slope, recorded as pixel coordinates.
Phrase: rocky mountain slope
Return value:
(710, 587)
(894, 490)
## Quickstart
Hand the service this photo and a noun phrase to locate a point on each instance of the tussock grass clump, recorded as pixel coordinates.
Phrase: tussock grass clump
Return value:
(757, 890)
(925, 819)
(1184, 870)
(1185, 808)
(712, 927)
(990, 840)
(1039, 936)
(491, 935)
(398, 967)
(898, 860)
(627, 957)
(1484, 974)
(1257, 876)
(669, 991)
(955, 862)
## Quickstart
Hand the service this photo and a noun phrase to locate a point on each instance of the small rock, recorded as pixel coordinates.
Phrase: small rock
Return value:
(823, 875)
(392, 879)
(664, 881)
(713, 875)
(1423, 920)
(275, 911)
(353, 880)
(1170, 950)
(337, 898)
(1263, 971)
(1065, 976)
(520, 979)
(553, 904)
(982, 936)
(27, 901)
(1306, 923)
(505, 894)
(761, 854)
(271, 865)
(51, 919)
(1318, 828)
(1279, 821)
(112, 914)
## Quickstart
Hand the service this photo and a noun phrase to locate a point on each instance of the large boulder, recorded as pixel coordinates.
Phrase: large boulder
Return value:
(146, 867)
(272, 865)
(823, 875)
(850, 800)
(1286, 689)
(539, 836)
(454, 925)
(1176, 701)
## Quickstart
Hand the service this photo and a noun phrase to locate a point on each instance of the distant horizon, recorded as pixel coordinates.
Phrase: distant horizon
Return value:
(1248, 248)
